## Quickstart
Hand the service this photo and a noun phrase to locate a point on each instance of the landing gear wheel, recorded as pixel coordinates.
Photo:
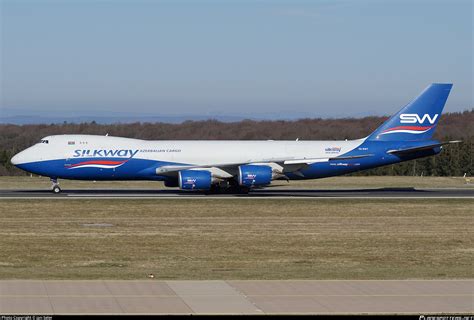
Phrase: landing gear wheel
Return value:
(238, 190)
(56, 189)
(215, 189)
(243, 190)
(235, 188)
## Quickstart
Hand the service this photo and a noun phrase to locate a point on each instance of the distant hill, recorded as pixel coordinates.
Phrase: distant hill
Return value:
(20, 120)
(5, 118)
(455, 160)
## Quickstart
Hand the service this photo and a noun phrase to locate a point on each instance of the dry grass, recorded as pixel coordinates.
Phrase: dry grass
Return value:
(236, 239)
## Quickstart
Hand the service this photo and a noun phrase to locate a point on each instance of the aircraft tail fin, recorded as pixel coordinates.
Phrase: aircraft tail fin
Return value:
(416, 121)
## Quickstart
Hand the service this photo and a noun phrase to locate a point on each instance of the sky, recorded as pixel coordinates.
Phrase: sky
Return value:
(262, 58)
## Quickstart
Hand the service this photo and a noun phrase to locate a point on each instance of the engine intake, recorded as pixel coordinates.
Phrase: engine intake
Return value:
(194, 180)
(254, 175)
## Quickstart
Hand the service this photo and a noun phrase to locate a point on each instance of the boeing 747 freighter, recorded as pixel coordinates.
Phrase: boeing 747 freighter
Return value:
(215, 166)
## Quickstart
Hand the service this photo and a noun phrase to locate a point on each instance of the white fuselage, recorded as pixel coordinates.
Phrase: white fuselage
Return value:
(185, 151)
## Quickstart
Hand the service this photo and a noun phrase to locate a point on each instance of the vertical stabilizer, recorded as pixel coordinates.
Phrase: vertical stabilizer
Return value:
(417, 120)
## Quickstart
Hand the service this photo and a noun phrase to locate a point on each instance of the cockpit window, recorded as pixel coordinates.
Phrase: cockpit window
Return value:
(44, 141)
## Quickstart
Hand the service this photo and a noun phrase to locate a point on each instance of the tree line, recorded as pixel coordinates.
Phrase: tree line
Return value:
(454, 160)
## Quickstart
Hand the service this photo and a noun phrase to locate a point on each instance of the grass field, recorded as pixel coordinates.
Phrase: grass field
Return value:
(236, 239)
(25, 182)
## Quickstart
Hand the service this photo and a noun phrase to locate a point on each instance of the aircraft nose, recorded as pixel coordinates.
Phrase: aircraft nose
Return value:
(17, 158)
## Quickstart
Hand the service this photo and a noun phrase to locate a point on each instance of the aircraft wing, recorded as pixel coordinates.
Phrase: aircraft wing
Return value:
(284, 165)
(175, 168)
(408, 151)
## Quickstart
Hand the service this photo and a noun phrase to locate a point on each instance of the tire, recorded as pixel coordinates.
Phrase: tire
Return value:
(237, 190)
(215, 189)
(243, 190)
(56, 189)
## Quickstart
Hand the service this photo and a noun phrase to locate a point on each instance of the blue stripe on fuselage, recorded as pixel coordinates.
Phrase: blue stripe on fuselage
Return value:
(133, 169)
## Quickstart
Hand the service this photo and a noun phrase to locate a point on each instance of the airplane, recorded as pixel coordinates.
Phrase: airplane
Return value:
(238, 166)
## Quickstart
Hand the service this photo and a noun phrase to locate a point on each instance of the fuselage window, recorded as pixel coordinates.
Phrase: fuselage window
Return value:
(71, 142)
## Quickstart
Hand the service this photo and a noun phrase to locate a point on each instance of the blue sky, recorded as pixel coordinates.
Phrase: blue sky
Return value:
(251, 58)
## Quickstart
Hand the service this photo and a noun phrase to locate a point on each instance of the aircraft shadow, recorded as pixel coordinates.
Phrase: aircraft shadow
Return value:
(270, 192)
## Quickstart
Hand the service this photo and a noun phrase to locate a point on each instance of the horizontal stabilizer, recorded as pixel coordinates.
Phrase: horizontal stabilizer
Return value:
(407, 151)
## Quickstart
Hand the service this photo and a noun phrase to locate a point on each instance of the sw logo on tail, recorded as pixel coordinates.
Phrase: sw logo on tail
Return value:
(415, 118)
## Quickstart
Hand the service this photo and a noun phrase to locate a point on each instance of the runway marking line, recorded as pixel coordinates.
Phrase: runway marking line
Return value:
(229, 295)
(237, 280)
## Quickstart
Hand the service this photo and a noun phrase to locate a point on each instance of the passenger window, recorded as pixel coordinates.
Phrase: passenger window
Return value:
(71, 142)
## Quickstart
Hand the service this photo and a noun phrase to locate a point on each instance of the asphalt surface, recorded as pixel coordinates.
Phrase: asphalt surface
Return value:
(236, 297)
(395, 193)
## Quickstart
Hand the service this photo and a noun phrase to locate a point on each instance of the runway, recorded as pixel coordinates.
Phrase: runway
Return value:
(281, 193)
(236, 297)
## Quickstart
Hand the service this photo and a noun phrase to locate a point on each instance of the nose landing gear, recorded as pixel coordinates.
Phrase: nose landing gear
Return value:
(55, 186)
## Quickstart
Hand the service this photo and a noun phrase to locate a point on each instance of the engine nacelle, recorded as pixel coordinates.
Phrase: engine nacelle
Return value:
(254, 175)
(194, 180)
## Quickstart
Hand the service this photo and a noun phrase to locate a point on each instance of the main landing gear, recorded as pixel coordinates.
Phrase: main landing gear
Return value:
(55, 186)
(227, 188)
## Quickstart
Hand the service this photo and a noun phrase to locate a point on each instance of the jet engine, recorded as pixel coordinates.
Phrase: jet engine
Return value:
(194, 180)
(254, 175)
